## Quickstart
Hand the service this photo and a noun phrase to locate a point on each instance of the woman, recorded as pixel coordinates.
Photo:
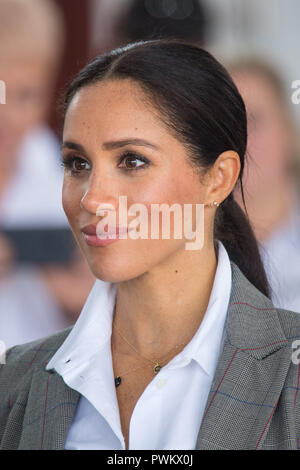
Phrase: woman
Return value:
(175, 348)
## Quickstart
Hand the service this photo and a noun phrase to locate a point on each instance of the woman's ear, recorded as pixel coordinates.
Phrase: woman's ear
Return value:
(224, 175)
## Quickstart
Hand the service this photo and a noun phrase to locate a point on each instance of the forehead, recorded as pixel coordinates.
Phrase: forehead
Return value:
(112, 105)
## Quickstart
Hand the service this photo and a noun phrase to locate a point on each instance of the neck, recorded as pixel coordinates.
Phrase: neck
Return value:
(165, 306)
(269, 209)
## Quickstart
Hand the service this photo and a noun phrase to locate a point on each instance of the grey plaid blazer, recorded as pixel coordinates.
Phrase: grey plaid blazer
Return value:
(254, 401)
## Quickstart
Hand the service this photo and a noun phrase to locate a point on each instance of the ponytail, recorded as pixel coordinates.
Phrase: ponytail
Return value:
(233, 229)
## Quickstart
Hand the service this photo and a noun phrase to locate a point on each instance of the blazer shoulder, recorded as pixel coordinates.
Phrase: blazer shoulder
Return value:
(24, 358)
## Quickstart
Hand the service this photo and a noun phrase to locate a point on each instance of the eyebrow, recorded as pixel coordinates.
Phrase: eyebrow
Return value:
(130, 141)
(112, 144)
(72, 146)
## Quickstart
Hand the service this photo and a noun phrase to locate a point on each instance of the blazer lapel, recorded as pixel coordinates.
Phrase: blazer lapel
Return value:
(250, 372)
(49, 412)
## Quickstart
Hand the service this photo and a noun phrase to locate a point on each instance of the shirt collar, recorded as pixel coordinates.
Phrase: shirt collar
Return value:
(93, 327)
(92, 330)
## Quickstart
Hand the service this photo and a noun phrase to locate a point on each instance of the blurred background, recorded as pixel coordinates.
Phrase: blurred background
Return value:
(44, 280)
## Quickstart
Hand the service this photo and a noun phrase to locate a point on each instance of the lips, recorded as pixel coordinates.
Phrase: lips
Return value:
(95, 238)
(92, 230)
(89, 230)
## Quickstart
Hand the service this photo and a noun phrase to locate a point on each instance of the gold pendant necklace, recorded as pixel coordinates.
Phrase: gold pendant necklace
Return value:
(157, 364)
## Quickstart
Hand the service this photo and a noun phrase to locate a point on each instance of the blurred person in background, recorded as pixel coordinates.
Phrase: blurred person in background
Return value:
(149, 19)
(271, 178)
(32, 303)
(38, 301)
(32, 38)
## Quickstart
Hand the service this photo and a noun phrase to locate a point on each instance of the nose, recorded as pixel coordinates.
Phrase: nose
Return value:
(98, 192)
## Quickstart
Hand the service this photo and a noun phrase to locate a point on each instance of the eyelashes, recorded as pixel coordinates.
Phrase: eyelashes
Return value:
(134, 156)
(76, 164)
(68, 163)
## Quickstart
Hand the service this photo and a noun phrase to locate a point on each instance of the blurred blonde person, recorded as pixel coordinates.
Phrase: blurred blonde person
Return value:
(32, 38)
(271, 178)
(31, 300)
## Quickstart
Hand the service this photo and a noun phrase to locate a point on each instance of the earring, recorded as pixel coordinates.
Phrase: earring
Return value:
(212, 204)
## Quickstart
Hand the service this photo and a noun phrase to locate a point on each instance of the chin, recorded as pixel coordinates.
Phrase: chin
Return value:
(122, 262)
(115, 273)
(117, 267)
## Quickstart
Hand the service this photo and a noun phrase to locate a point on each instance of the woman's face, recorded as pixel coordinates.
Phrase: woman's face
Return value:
(99, 173)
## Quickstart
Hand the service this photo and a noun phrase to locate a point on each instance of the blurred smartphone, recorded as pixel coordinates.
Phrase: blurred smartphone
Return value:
(41, 245)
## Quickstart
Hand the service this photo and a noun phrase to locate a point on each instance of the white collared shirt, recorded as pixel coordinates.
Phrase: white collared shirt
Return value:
(168, 414)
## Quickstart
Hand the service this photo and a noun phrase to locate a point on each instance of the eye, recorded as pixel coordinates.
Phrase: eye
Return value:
(75, 164)
(133, 161)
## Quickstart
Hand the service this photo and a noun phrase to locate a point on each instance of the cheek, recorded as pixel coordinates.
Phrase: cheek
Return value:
(180, 187)
(71, 196)
(184, 192)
